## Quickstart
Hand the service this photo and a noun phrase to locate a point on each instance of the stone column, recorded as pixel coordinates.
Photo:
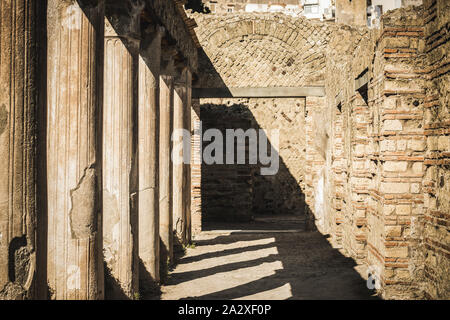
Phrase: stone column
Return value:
(179, 169)
(120, 149)
(149, 69)
(18, 107)
(187, 179)
(196, 169)
(75, 59)
(165, 173)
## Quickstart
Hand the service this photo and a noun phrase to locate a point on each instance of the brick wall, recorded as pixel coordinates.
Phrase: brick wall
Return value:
(437, 158)
(395, 219)
(265, 50)
(261, 50)
(397, 199)
(226, 188)
(370, 163)
(384, 148)
(280, 193)
(348, 55)
(231, 192)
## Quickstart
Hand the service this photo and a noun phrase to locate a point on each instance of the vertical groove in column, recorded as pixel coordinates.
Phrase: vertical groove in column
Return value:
(18, 107)
(75, 59)
(149, 69)
(120, 230)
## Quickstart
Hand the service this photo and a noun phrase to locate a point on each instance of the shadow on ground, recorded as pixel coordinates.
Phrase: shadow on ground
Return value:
(275, 260)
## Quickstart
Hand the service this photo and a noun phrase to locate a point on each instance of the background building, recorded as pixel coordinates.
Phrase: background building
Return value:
(353, 12)
(291, 7)
(318, 9)
(312, 9)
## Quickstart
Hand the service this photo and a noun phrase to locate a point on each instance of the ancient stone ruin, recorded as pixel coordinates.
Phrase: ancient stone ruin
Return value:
(93, 206)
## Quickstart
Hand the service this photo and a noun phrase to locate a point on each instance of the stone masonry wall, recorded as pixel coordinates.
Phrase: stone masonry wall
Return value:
(240, 191)
(394, 168)
(316, 140)
(436, 185)
(261, 50)
(226, 188)
(370, 159)
(267, 50)
(396, 206)
(348, 122)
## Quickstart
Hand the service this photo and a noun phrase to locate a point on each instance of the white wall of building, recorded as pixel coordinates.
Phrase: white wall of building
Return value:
(316, 9)
(293, 10)
(387, 4)
(253, 7)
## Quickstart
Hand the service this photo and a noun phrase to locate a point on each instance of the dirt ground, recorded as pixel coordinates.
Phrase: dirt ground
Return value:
(271, 258)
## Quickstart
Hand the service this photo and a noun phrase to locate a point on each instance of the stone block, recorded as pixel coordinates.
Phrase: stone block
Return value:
(432, 143)
(403, 209)
(417, 145)
(392, 125)
(415, 188)
(417, 167)
(396, 252)
(400, 42)
(444, 143)
(394, 187)
(401, 145)
(395, 166)
(393, 231)
(388, 145)
(359, 150)
(388, 209)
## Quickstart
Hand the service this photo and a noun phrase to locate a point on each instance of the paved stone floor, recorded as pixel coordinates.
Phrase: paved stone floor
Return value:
(271, 258)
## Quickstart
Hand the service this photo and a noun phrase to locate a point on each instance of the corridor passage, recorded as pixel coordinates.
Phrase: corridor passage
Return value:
(269, 258)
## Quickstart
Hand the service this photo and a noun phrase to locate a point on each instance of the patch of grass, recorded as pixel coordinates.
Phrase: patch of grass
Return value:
(191, 245)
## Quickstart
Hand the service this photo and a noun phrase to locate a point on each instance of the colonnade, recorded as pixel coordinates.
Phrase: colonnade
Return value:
(90, 201)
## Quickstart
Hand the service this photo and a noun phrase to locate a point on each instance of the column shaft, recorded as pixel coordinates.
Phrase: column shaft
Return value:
(187, 180)
(120, 231)
(165, 173)
(18, 107)
(149, 65)
(196, 168)
(179, 170)
(75, 59)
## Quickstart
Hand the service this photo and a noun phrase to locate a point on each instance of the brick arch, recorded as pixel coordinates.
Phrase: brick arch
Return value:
(258, 50)
(260, 64)
(245, 28)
